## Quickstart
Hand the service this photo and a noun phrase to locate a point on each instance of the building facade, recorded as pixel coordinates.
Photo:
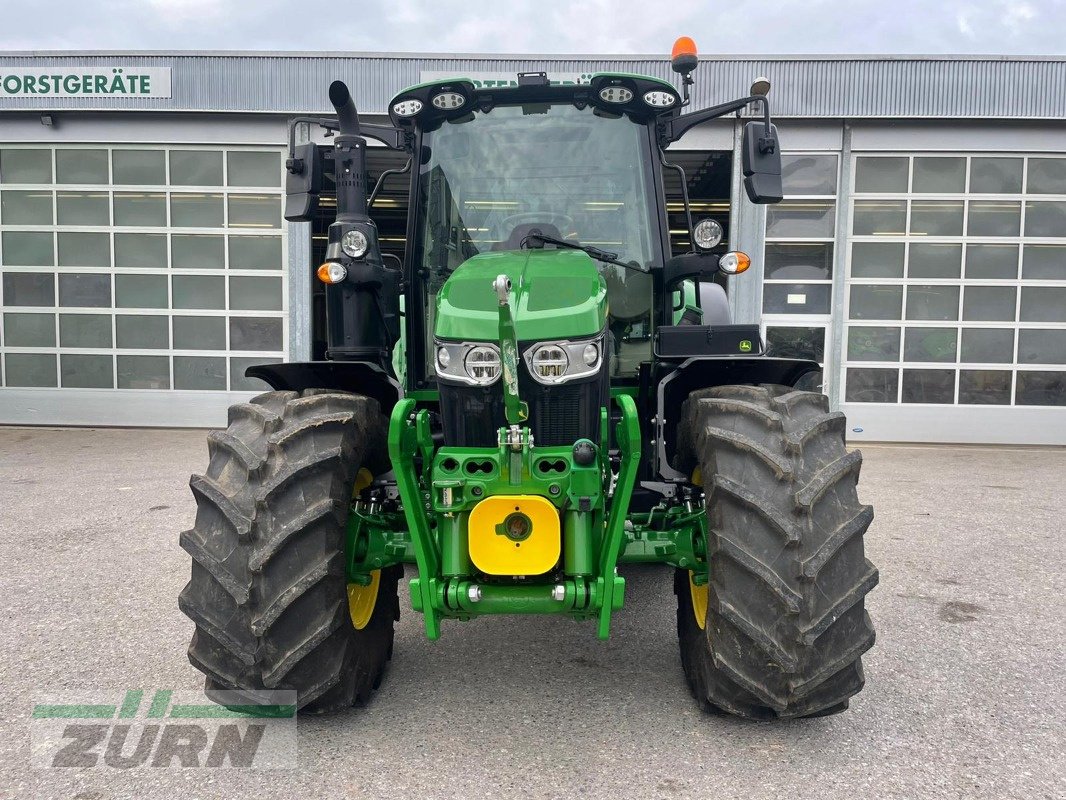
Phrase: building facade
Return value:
(920, 254)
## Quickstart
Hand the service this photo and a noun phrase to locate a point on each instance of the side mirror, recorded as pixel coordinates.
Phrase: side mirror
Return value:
(303, 182)
(762, 163)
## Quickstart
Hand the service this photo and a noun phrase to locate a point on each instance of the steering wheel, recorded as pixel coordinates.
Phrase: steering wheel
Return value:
(563, 222)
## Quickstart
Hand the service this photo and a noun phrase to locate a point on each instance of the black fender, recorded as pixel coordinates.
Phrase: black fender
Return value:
(706, 371)
(369, 380)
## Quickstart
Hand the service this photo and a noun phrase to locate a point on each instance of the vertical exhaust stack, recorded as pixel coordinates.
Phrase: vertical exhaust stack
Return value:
(349, 157)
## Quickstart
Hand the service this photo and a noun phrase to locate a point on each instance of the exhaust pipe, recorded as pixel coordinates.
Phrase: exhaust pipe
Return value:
(347, 114)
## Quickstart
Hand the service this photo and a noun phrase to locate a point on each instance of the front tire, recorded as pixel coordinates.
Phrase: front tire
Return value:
(785, 625)
(268, 592)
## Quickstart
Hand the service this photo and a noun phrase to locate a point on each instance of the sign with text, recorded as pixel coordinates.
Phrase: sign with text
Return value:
(490, 80)
(111, 81)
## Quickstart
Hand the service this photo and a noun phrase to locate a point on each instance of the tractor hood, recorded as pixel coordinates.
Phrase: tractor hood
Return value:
(556, 294)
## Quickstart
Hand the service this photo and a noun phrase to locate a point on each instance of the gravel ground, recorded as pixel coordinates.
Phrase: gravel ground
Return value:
(964, 696)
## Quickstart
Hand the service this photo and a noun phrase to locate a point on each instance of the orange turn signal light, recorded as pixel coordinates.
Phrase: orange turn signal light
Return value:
(734, 262)
(331, 272)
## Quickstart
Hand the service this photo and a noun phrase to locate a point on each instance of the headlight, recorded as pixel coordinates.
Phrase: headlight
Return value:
(707, 234)
(616, 94)
(659, 99)
(407, 108)
(448, 100)
(559, 362)
(354, 244)
(472, 363)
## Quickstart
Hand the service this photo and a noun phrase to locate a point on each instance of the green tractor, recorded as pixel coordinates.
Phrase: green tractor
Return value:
(538, 394)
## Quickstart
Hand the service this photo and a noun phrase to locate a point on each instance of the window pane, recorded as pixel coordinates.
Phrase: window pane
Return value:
(873, 344)
(1046, 176)
(255, 333)
(195, 168)
(992, 261)
(82, 208)
(1042, 347)
(81, 166)
(26, 166)
(27, 249)
(989, 303)
(86, 372)
(936, 217)
(143, 372)
(1043, 304)
(992, 218)
(930, 344)
(876, 302)
(85, 330)
(84, 249)
(1038, 388)
(89, 290)
(877, 259)
(253, 168)
(254, 211)
(800, 218)
(874, 174)
(941, 175)
(29, 289)
(995, 175)
(139, 167)
(264, 252)
(197, 252)
(255, 294)
(141, 209)
(141, 250)
(30, 330)
(871, 385)
(239, 383)
(809, 174)
(1044, 262)
(26, 208)
(935, 261)
(1045, 219)
(191, 372)
(932, 302)
(987, 345)
(199, 291)
(30, 369)
(928, 386)
(142, 332)
(199, 333)
(196, 210)
(798, 262)
(796, 298)
(806, 343)
(879, 217)
(141, 291)
(984, 387)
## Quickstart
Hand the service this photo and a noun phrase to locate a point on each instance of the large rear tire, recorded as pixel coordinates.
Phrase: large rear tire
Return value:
(784, 625)
(268, 593)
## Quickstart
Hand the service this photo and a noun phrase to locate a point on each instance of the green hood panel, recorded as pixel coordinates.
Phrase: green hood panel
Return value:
(555, 294)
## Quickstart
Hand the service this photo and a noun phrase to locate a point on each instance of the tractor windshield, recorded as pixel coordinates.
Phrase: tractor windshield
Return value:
(487, 181)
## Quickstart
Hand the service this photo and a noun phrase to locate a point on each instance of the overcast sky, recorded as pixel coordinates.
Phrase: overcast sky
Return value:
(1035, 27)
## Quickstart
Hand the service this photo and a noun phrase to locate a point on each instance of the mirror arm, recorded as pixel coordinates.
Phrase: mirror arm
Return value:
(679, 126)
(391, 137)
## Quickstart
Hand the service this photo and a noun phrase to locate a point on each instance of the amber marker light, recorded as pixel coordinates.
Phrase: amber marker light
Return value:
(331, 272)
(734, 262)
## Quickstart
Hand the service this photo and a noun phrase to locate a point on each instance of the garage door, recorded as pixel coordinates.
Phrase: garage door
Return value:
(138, 282)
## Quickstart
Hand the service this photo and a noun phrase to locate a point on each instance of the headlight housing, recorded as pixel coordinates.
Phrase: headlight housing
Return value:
(472, 363)
(558, 362)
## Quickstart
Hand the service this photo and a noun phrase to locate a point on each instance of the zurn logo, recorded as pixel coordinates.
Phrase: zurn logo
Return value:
(164, 729)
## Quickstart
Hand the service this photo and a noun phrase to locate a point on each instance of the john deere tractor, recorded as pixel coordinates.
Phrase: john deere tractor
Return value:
(538, 394)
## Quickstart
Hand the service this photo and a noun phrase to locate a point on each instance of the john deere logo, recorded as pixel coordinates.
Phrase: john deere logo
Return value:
(745, 345)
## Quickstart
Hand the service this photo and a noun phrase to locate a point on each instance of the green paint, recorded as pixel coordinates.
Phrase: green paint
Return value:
(266, 711)
(73, 711)
(160, 701)
(131, 703)
(556, 294)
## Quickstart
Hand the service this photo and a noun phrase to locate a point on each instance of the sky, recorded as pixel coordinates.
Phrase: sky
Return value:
(1008, 27)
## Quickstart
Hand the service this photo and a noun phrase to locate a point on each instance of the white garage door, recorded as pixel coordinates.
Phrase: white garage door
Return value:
(138, 282)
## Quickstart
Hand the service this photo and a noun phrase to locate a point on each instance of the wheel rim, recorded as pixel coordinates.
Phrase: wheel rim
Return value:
(699, 601)
(362, 599)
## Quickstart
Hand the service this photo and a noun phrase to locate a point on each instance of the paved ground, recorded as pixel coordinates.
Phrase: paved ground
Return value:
(965, 691)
